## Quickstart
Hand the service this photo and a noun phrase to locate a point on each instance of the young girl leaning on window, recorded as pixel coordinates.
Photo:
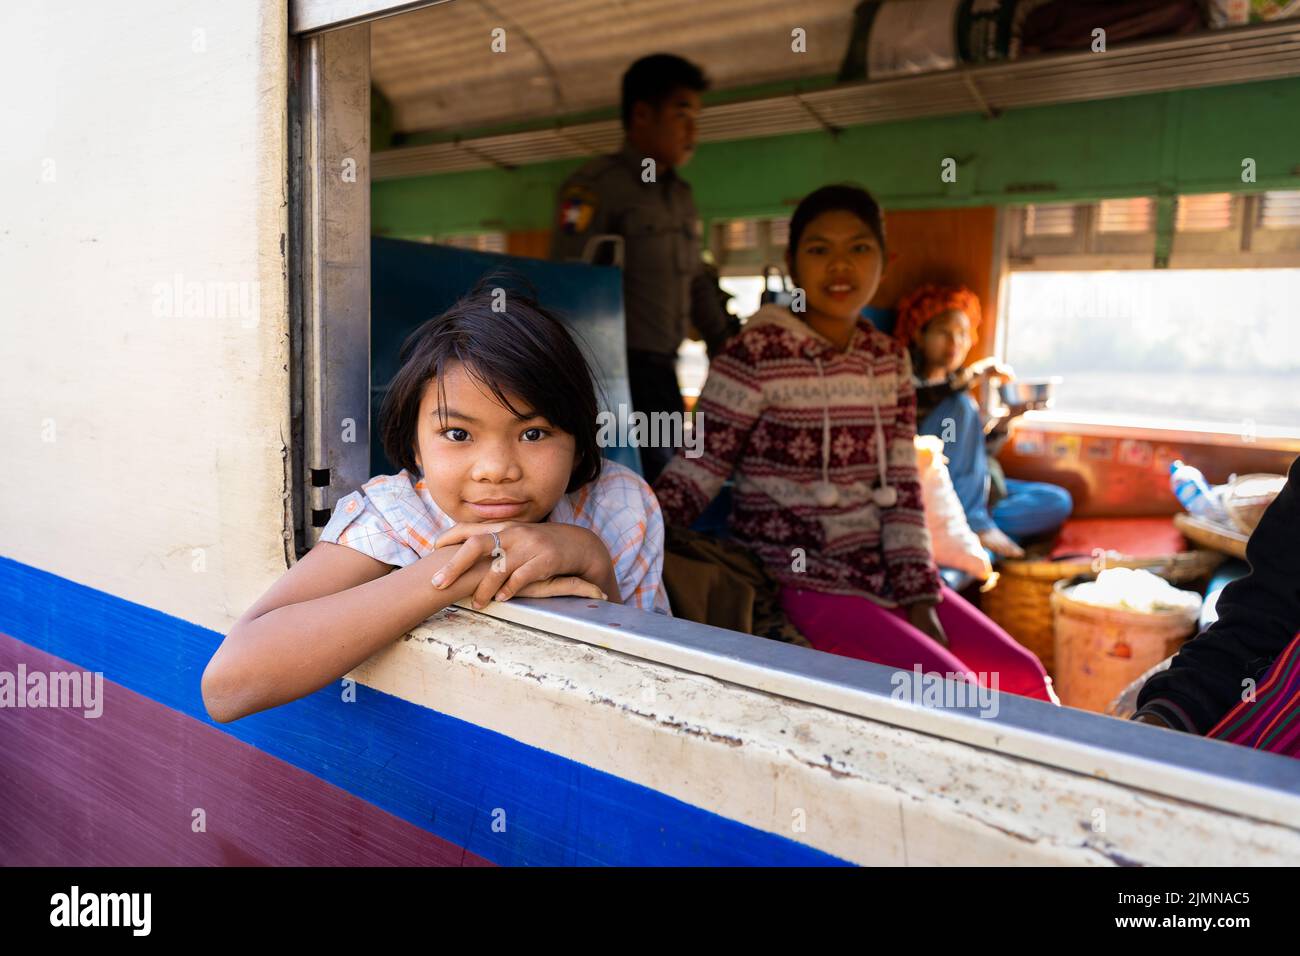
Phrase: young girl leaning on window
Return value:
(814, 413)
(502, 493)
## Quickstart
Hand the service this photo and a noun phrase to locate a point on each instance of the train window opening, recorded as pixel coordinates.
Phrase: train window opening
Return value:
(1051, 220)
(743, 247)
(1125, 215)
(1079, 287)
(745, 290)
(1211, 212)
(1280, 210)
(1204, 343)
(742, 234)
(779, 232)
(476, 241)
(1156, 348)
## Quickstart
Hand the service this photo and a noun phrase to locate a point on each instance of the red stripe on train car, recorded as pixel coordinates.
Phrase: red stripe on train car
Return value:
(122, 789)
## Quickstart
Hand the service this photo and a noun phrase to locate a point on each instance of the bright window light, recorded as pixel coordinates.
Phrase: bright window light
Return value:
(746, 290)
(1163, 347)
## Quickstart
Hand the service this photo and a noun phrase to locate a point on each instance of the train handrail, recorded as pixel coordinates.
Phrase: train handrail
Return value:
(1182, 766)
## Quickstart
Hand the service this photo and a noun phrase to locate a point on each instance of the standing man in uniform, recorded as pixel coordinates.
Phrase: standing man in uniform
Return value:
(637, 193)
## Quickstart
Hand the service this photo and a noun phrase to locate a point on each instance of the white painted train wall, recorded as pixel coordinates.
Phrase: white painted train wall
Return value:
(144, 408)
(144, 314)
(870, 791)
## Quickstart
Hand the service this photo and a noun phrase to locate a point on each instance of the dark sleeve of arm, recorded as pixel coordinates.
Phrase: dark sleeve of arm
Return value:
(708, 316)
(1258, 616)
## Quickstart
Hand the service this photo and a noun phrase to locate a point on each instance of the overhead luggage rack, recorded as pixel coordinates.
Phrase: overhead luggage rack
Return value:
(1211, 58)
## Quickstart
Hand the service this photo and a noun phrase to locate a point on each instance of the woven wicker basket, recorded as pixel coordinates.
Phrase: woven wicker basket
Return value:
(1101, 650)
(1210, 534)
(1248, 497)
(1021, 602)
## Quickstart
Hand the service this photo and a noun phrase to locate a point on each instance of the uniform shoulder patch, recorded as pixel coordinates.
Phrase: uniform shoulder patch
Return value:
(577, 207)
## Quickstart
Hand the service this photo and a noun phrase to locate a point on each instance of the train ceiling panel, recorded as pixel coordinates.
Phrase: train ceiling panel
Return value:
(437, 67)
(445, 80)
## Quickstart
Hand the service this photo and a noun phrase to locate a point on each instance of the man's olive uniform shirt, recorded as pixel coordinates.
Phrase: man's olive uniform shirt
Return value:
(664, 287)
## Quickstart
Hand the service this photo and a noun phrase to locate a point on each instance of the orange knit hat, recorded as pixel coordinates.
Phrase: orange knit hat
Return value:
(924, 303)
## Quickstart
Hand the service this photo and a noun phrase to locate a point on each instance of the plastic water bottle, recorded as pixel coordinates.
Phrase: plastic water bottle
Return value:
(1193, 492)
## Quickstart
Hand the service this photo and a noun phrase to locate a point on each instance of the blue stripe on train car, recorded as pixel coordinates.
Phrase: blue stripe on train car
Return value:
(443, 774)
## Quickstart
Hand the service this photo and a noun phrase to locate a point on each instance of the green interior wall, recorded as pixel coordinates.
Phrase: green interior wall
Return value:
(1161, 144)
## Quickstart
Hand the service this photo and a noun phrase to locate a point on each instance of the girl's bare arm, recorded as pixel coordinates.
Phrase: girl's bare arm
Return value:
(329, 612)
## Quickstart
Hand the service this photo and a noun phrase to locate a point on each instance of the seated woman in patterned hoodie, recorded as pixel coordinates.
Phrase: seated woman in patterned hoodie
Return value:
(813, 411)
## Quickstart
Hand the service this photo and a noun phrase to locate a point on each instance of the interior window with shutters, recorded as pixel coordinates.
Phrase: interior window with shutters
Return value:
(1134, 215)
(1208, 212)
(1050, 220)
(1280, 210)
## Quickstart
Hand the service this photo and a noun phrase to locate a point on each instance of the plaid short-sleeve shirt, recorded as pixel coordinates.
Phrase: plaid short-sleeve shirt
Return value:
(394, 519)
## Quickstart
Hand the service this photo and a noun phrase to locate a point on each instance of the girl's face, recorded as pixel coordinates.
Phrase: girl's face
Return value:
(945, 341)
(481, 462)
(838, 265)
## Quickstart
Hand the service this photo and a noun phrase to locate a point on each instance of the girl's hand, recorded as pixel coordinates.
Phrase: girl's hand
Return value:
(534, 552)
(926, 620)
(564, 586)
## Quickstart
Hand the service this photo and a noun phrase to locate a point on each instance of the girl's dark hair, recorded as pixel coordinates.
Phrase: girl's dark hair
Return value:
(838, 196)
(523, 350)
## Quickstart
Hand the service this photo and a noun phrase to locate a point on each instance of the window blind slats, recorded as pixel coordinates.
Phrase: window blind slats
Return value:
(1280, 210)
(1052, 219)
(1208, 212)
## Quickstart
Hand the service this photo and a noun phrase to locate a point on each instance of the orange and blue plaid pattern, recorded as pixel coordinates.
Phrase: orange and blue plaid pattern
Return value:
(394, 519)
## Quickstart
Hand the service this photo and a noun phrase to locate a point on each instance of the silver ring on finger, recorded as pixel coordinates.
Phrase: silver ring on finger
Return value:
(498, 554)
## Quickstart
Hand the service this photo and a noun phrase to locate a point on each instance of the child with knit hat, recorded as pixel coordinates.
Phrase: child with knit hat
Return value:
(939, 324)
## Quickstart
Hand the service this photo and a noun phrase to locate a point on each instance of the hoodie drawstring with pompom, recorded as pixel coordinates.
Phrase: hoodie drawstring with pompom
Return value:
(827, 494)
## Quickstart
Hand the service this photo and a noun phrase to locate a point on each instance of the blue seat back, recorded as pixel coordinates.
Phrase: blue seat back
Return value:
(411, 282)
